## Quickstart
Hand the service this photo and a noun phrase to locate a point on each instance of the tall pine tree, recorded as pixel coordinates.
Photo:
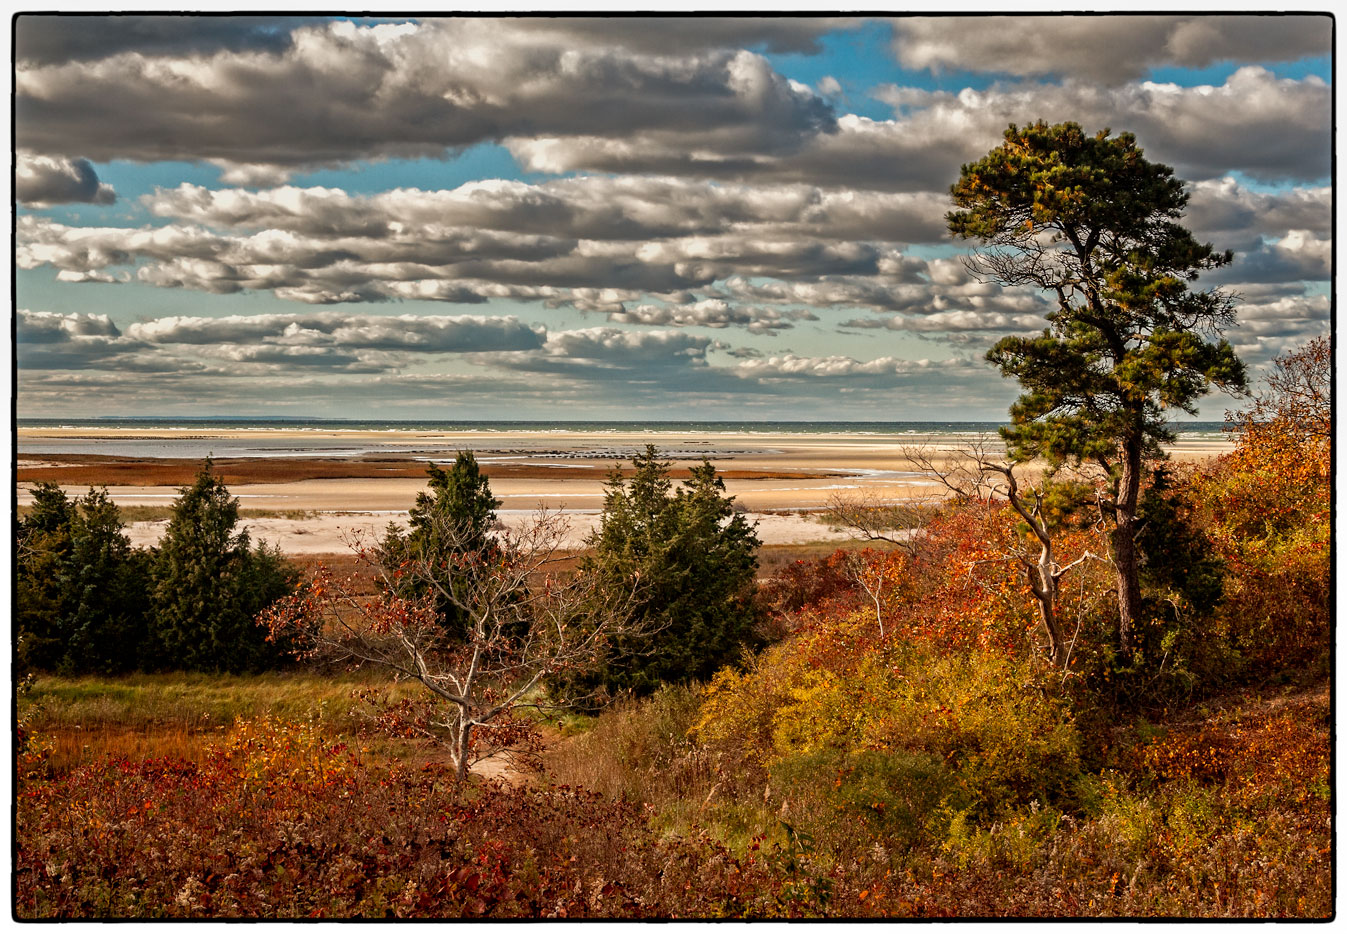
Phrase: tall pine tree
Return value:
(1091, 222)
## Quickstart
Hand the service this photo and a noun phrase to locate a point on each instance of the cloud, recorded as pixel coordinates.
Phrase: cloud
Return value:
(713, 313)
(1274, 129)
(1231, 216)
(926, 287)
(55, 341)
(887, 371)
(342, 91)
(591, 207)
(952, 321)
(435, 334)
(611, 346)
(45, 40)
(255, 345)
(1111, 49)
(46, 327)
(1297, 255)
(40, 181)
(1272, 322)
(693, 34)
(595, 243)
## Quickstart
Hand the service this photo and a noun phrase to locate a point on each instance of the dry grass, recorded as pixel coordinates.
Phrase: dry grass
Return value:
(112, 470)
(179, 714)
(772, 558)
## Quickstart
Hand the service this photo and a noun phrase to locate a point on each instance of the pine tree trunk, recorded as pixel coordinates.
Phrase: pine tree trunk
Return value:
(1125, 545)
(1046, 592)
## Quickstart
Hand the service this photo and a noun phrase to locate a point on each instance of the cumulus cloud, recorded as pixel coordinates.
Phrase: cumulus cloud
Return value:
(1268, 127)
(611, 346)
(342, 91)
(692, 34)
(40, 181)
(1294, 256)
(260, 343)
(935, 286)
(1110, 49)
(56, 341)
(46, 327)
(595, 243)
(952, 321)
(714, 313)
(416, 333)
(888, 370)
(42, 39)
(591, 207)
(1231, 216)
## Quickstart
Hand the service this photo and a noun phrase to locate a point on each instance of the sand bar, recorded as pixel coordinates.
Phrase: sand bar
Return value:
(553, 469)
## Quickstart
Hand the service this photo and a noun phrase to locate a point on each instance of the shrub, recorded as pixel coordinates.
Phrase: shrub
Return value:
(874, 711)
(638, 749)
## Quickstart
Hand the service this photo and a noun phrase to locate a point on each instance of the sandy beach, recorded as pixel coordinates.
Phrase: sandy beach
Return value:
(350, 483)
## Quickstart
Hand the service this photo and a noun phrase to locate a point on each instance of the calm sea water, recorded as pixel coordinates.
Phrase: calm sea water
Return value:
(186, 442)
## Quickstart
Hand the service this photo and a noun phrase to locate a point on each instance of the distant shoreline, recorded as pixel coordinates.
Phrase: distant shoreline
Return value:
(506, 426)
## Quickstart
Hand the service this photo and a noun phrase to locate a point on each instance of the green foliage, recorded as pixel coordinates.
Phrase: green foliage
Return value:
(1178, 557)
(692, 560)
(450, 530)
(209, 584)
(1126, 338)
(104, 587)
(79, 588)
(901, 796)
(42, 549)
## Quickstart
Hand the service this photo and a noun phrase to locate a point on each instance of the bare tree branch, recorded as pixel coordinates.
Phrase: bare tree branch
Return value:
(525, 622)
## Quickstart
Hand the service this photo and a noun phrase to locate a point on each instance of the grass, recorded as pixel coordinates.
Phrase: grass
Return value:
(771, 558)
(180, 713)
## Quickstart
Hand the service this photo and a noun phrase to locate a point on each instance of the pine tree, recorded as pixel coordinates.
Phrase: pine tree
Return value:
(1094, 224)
(43, 543)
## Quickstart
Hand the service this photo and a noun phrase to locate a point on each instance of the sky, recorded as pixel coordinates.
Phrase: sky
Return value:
(622, 218)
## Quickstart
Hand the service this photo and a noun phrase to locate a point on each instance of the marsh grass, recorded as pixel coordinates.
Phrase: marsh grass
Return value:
(181, 714)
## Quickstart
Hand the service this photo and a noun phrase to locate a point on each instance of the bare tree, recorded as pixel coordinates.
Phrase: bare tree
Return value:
(524, 622)
(873, 518)
(1298, 395)
(979, 471)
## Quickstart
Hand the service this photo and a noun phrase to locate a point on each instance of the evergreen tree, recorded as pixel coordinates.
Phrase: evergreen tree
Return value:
(693, 560)
(449, 535)
(80, 588)
(103, 586)
(1094, 224)
(209, 585)
(43, 543)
